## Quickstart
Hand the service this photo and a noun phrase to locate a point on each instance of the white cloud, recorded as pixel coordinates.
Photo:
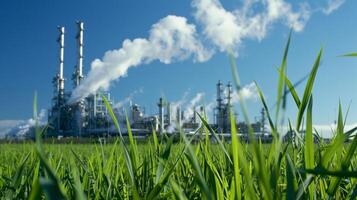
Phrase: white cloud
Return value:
(332, 5)
(226, 29)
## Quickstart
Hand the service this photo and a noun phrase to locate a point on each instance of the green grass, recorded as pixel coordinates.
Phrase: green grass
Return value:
(163, 169)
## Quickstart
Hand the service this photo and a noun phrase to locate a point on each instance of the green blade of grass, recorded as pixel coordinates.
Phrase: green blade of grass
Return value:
(324, 172)
(127, 156)
(221, 145)
(164, 178)
(262, 98)
(336, 145)
(293, 92)
(258, 160)
(196, 166)
(308, 90)
(236, 168)
(177, 191)
(344, 167)
(291, 190)
(281, 81)
(350, 55)
(309, 145)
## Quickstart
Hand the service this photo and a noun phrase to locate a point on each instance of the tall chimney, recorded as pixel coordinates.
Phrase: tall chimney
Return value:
(161, 115)
(169, 117)
(219, 94)
(218, 117)
(178, 115)
(229, 95)
(61, 58)
(79, 70)
(194, 117)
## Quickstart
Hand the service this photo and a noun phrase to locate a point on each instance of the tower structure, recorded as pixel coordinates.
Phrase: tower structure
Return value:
(224, 107)
(79, 107)
(161, 115)
(78, 74)
(61, 60)
(58, 100)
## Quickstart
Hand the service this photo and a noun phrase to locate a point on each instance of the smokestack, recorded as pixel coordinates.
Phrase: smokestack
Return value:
(79, 70)
(229, 95)
(161, 114)
(61, 58)
(219, 94)
(169, 119)
(194, 117)
(178, 115)
(202, 111)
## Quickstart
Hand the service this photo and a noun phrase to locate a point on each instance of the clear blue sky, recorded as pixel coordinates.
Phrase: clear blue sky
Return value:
(28, 54)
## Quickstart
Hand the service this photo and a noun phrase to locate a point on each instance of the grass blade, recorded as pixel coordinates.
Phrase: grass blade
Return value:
(307, 91)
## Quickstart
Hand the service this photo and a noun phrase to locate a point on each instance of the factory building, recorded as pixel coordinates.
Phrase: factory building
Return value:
(223, 108)
(86, 116)
(89, 117)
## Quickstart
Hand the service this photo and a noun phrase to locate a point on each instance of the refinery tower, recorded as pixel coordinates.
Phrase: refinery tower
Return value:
(75, 119)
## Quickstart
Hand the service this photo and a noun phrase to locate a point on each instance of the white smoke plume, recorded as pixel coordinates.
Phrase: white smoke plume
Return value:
(332, 5)
(7, 125)
(179, 103)
(173, 39)
(227, 29)
(128, 99)
(247, 92)
(170, 39)
(23, 128)
(190, 107)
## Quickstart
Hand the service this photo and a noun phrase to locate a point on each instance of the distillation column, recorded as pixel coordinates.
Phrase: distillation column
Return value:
(59, 98)
(77, 78)
(79, 71)
(178, 116)
(61, 58)
(161, 115)
(219, 108)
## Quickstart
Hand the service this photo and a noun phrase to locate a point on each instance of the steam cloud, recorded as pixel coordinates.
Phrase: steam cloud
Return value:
(248, 92)
(173, 39)
(23, 127)
(332, 5)
(129, 98)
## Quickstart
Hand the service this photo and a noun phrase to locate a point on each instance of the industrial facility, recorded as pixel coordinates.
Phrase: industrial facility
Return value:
(89, 117)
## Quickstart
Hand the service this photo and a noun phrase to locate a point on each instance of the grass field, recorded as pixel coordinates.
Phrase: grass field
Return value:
(161, 169)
